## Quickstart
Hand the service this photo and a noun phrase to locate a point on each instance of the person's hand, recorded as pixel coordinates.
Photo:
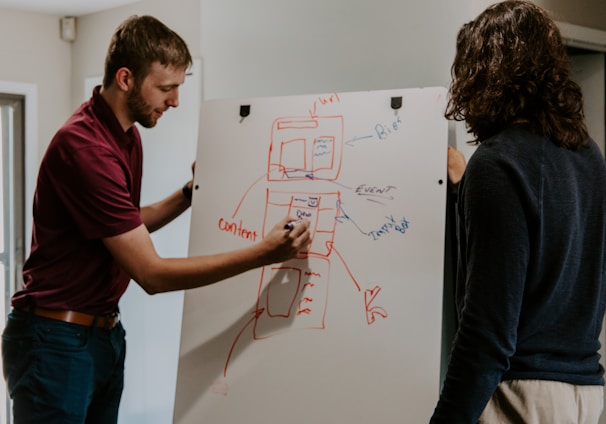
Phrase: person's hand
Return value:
(456, 165)
(282, 243)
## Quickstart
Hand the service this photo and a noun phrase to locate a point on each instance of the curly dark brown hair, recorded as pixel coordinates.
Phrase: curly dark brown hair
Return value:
(511, 66)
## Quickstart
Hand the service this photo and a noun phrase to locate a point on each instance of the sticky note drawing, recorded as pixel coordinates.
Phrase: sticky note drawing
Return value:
(306, 148)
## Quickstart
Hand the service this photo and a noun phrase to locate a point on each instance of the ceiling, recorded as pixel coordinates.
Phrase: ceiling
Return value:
(63, 7)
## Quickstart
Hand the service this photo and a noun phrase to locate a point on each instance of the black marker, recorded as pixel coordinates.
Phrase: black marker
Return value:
(290, 225)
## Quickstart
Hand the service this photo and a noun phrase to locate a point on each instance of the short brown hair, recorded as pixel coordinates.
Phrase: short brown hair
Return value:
(140, 41)
(511, 65)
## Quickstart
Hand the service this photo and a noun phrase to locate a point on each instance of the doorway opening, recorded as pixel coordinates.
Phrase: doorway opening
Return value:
(12, 227)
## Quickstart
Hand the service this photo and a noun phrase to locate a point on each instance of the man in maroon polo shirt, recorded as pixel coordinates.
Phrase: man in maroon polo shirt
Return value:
(63, 347)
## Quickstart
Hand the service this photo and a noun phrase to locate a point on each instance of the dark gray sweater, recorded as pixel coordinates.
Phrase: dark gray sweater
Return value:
(531, 283)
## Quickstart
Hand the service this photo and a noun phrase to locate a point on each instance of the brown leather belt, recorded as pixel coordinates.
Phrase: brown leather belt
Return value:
(106, 321)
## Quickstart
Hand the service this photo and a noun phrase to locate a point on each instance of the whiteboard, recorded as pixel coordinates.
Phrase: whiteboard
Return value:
(350, 331)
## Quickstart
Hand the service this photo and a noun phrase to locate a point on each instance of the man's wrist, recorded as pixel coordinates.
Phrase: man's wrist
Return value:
(187, 190)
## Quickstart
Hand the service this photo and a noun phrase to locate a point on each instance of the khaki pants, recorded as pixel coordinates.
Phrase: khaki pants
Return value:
(543, 402)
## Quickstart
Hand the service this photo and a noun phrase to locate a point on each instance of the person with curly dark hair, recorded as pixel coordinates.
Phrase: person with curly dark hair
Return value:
(531, 214)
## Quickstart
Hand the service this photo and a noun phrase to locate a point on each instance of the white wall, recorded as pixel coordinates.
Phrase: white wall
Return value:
(37, 57)
(272, 47)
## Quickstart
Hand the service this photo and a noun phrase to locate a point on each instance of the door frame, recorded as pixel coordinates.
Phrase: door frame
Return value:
(30, 139)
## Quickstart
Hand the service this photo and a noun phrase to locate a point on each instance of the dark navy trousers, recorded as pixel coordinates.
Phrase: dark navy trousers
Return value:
(58, 372)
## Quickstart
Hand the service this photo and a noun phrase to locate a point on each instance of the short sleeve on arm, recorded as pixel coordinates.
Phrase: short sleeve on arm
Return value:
(95, 184)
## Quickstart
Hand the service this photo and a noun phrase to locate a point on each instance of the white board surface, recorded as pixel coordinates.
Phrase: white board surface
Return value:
(350, 332)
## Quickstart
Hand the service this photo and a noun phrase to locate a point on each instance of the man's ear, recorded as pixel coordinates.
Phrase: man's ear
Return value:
(124, 79)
